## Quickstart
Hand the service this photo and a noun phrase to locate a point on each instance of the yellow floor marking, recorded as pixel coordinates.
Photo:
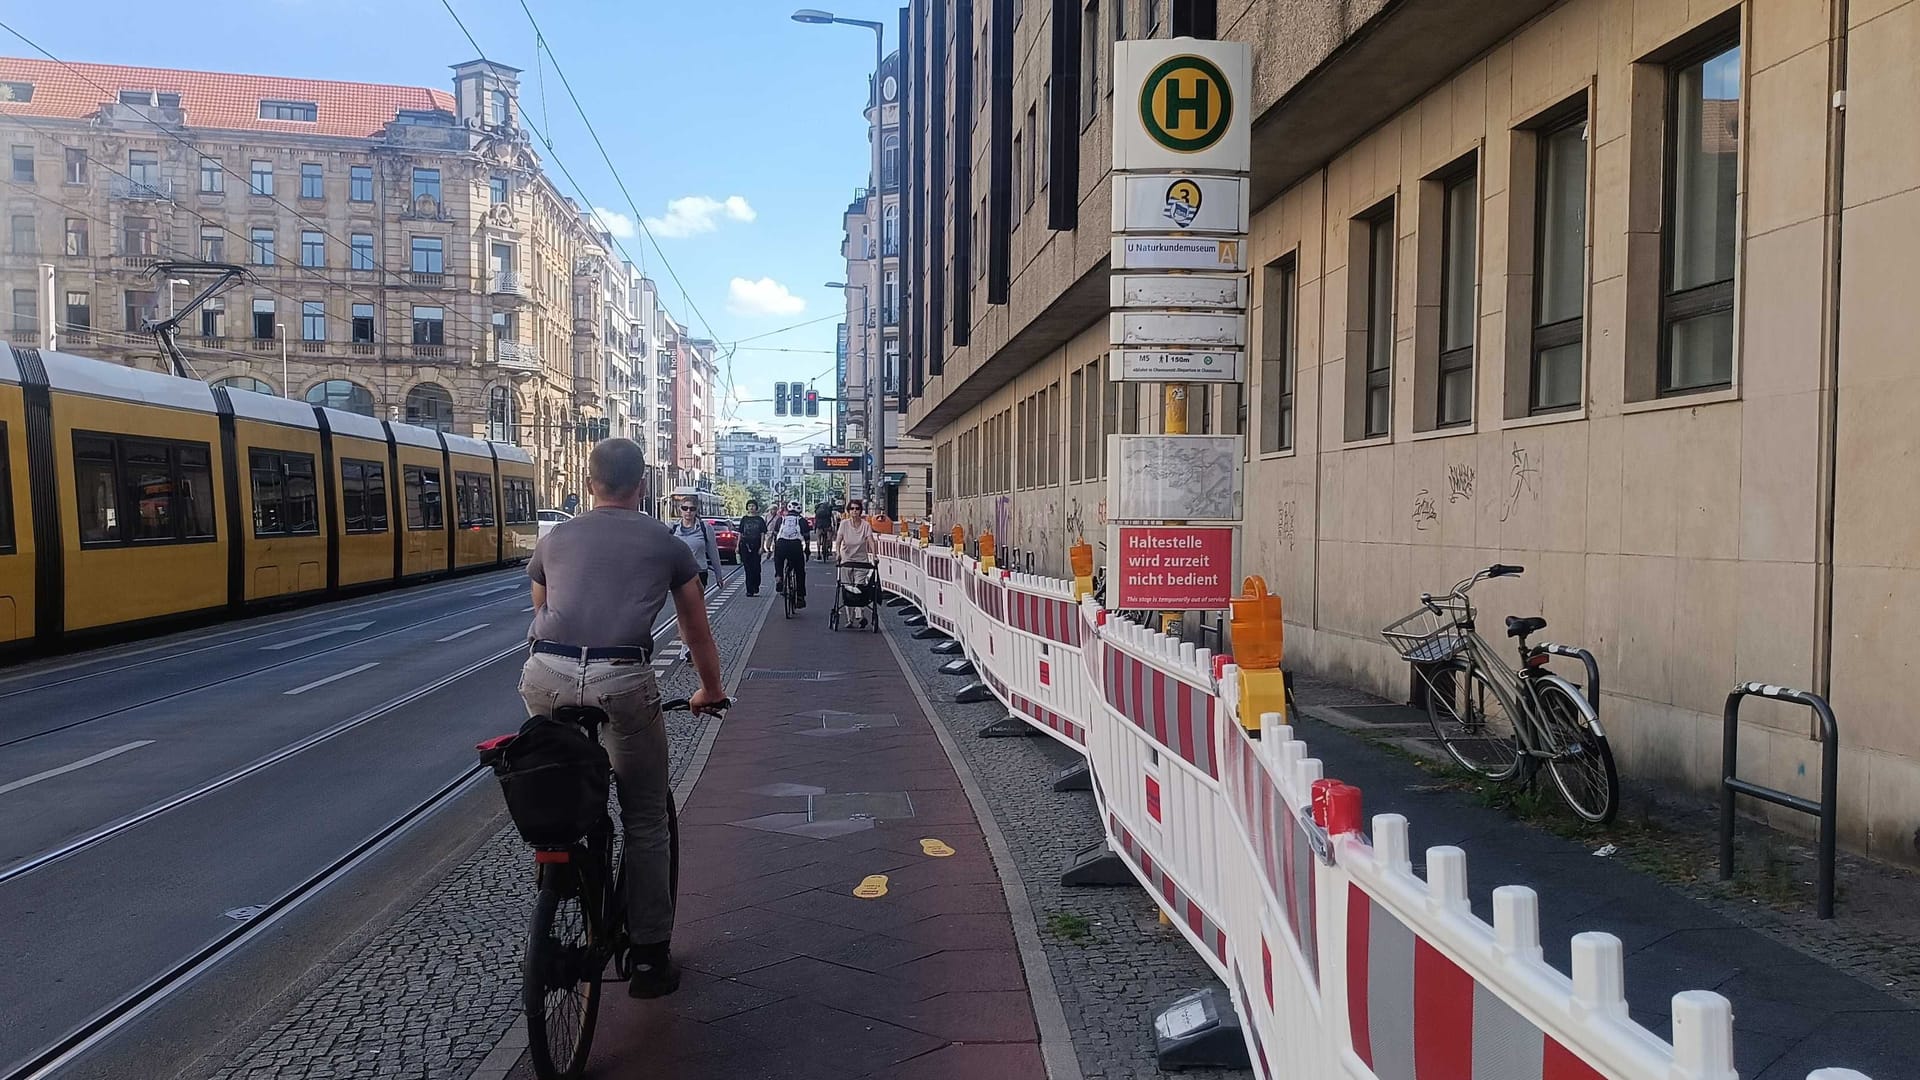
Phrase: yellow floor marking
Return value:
(935, 848)
(873, 888)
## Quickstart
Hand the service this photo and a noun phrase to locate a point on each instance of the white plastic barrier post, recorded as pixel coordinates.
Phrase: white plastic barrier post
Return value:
(1337, 956)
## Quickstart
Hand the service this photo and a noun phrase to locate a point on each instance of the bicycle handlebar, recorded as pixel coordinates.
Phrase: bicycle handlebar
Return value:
(686, 705)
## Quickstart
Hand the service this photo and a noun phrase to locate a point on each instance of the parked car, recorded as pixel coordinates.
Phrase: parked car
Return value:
(726, 536)
(550, 518)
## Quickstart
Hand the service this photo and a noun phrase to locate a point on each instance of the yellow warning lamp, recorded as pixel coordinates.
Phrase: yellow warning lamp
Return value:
(1081, 556)
(901, 527)
(959, 539)
(1258, 646)
(986, 550)
(926, 533)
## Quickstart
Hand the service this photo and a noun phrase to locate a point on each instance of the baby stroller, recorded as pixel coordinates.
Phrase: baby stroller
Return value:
(857, 592)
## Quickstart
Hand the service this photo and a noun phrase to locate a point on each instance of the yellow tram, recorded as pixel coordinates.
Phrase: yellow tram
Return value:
(130, 497)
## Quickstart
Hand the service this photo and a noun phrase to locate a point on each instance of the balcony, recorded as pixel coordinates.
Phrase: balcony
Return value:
(121, 187)
(361, 348)
(420, 279)
(138, 262)
(265, 345)
(311, 347)
(430, 353)
(514, 356)
(507, 283)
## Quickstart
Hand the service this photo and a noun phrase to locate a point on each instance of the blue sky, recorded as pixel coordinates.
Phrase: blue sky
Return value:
(728, 103)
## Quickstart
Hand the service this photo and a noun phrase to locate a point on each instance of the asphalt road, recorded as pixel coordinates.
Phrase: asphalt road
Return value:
(151, 793)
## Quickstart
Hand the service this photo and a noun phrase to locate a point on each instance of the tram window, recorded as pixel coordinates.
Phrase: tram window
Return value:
(363, 495)
(6, 497)
(164, 487)
(475, 498)
(519, 496)
(284, 501)
(423, 498)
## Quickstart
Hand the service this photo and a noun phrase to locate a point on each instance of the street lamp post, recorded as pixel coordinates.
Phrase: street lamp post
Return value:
(816, 17)
(866, 378)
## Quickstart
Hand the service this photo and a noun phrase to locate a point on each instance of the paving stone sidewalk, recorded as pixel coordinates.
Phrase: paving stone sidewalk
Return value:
(432, 995)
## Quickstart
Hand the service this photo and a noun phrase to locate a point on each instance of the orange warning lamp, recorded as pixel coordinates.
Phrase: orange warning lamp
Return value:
(986, 550)
(882, 524)
(926, 533)
(1258, 636)
(1081, 557)
(901, 526)
(959, 538)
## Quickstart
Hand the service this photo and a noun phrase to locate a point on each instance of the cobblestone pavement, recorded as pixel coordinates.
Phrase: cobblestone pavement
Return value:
(1674, 836)
(436, 990)
(1113, 964)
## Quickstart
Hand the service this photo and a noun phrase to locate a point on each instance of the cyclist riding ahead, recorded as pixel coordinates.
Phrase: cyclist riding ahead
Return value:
(599, 581)
(823, 522)
(790, 550)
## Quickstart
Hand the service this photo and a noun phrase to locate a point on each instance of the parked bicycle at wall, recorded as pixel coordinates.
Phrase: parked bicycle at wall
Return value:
(1498, 722)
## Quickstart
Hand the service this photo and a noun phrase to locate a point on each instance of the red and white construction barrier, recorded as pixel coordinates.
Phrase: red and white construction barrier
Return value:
(1341, 961)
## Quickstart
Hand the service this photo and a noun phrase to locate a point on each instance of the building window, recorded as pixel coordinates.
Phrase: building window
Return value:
(498, 111)
(429, 255)
(890, 298)
(260, 181)
(76, 166)
(213, 178)
(284, 500)
(24, 240)
(423, 497)
(890, 162)
(136, 236)
(213, 243)
(1028, 170)
(429, 325)
(890, 230)
(430, 406)
(343, 395)
(1119, 20)
(79, 311)
(1153, 17)
(313, 182)
(426, 190)
(76, 236)
(1279, 330)
(143, 169)
(363, 495)
(313, 248)
(1019, 163)
(498, 189)
(1560, 267)
(301, 111)
(247, 383)
(361, 251)
(1076, 424)
(313, 320)
(26, 311)
(213, 320)
(360, 183)
(165, 489)
(1370, 324)
(1703, 149)
(23, 164)
(363, 324)
(1094, 448)
(500, 426)
(262, 247)
(263, 319)
(1090, 53)
(1459, 246)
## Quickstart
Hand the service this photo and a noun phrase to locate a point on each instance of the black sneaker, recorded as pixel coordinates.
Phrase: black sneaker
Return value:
(654, 972)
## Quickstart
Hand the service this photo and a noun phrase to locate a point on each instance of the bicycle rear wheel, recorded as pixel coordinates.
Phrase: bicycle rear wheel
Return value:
(1582, 764)
(560, 983)
(1470, 720)
(787, 590)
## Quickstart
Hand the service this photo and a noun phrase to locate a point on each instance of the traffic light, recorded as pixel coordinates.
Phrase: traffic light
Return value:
(796, 398)
(779, 399)
(813, 402)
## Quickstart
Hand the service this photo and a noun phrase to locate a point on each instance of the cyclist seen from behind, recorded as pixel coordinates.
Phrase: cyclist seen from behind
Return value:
(599, 581)
(823, 522)
(790, 550)
(854, 543)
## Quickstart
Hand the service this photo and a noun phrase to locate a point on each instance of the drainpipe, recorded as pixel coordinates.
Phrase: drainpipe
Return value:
(1830, 359)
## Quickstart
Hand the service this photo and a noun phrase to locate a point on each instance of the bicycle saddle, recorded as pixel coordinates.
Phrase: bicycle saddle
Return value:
(586, 716)
(1519, 627)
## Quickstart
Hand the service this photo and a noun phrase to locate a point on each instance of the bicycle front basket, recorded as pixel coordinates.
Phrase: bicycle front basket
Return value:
(1425, 636)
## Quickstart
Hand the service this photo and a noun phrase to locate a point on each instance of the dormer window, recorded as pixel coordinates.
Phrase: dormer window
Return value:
(15, 91)
(498, 113)
(303, 111)
(149, 99)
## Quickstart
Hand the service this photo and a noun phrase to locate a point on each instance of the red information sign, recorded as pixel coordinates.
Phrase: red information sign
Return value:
(1172, 567)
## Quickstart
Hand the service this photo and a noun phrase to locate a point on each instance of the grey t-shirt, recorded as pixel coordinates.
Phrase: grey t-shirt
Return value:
(607, 572)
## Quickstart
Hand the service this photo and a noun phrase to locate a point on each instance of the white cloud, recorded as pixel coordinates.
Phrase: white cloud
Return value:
(691, 215)
(615, 222)
(763, 297)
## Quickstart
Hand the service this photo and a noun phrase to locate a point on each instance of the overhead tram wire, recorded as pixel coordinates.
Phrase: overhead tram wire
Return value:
(247, 181)
(580, 191)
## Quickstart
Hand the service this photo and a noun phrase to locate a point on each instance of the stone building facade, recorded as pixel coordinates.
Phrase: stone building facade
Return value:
(1612, 289)
(406, 255)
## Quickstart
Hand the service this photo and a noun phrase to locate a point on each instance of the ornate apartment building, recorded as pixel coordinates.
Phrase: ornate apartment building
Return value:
(406, 256)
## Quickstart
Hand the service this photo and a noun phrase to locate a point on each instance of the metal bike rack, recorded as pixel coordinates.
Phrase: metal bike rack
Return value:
(1592, 685)
(1825, 809)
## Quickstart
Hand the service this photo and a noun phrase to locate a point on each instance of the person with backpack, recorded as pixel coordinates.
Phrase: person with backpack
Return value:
(698, 536)
(599, 581)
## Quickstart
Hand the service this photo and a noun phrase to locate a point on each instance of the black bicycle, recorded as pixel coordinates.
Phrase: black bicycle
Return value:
(789, 590)
(579, 925)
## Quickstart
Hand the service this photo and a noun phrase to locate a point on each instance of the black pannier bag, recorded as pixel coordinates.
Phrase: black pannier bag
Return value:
(555, 778)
